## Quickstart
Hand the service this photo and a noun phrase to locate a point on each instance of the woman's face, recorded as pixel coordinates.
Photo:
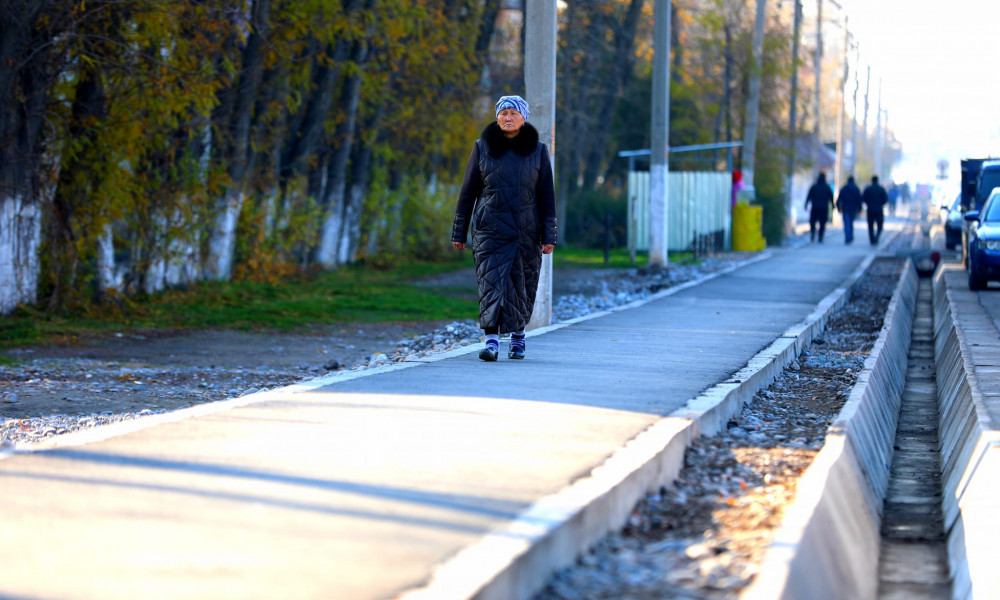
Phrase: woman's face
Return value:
(510, 121)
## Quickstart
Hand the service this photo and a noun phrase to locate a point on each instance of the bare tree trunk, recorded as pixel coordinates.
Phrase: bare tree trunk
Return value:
(302, 140)
(565, 119)
(24, 91)
(174, 254)
(622, 65)
(333, 201)
(222, 240)
(109, 276)
(583, 117)
(350, 239)
(727, 98)
(328, 65)
(487, 25)
(20, 238)
(328, 252)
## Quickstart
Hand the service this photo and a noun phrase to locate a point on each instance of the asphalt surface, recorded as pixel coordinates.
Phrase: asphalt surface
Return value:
(359, 486)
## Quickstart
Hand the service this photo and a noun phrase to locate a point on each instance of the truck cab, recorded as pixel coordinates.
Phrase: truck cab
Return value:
(989, 178)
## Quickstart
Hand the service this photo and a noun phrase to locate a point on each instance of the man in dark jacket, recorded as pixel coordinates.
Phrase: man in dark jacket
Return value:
(508, 200)
(849, 203)
(874, 198)
(821, 197)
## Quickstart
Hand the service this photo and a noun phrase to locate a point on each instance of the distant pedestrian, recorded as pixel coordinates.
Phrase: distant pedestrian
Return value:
(893, 194)
(904, 192)
(508, 198)
(820, 196)
(874, 198)
(849, 204)
(738, 186)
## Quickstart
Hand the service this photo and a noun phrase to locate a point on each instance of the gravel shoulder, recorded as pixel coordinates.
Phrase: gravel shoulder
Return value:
(166, 370)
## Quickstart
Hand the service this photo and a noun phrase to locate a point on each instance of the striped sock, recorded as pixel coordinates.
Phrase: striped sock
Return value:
(517, 340)
(493, 341)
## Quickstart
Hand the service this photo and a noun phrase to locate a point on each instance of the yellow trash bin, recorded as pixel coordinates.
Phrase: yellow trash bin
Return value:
(748, 223)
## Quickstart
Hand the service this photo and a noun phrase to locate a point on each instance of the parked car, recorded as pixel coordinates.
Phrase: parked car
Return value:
(984, 242)
(953, 224)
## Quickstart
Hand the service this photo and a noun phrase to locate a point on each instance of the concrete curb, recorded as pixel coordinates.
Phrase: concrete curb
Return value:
(830, 533)
(515, 562)
(968, 356)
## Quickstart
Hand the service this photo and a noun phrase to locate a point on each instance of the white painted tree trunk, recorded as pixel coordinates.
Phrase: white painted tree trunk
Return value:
(219, 263)
(155, 280)
(329, 233)
(28, 265)
(371, 247)
(270, 213)
(20, 238)
(177, 262)
(289, 200)
(109, 276)
(182, 251)
(182, 266)
(351, 235)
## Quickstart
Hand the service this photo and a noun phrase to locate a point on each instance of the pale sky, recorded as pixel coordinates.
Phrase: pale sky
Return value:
(940, 78)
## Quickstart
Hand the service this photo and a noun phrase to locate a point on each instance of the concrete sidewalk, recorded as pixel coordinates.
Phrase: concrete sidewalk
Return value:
(364, 484)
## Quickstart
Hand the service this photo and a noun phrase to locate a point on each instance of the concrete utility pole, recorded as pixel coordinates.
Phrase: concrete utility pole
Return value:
(885, 144)
(854, 117)
(753, 98)
(878, 134)
(540, 92)
(659, 169)
(818, 59)
(838, 172)
(790, 169)
(864, 119)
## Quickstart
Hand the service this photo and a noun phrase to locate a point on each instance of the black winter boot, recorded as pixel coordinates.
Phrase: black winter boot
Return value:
(491, 351)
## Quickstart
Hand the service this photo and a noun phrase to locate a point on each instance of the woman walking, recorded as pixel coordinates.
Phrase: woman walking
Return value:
(508, 199)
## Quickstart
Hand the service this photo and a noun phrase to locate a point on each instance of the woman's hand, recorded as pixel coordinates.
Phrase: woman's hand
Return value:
(548, 248)
(458, 245)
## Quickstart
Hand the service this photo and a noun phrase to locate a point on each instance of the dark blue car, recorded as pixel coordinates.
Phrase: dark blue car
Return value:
(984, 242)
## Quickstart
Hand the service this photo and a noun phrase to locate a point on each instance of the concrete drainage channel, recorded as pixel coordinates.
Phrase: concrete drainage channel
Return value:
(967, 355)
(941, 486)
(913, 560)
(932, 473)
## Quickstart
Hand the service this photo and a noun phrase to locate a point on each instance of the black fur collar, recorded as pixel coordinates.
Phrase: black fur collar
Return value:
(524, 143)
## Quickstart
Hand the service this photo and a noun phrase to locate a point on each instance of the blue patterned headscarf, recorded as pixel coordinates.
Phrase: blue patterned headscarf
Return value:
(516, 102)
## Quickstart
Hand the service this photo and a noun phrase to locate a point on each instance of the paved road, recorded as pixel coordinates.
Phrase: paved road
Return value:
(357, 487)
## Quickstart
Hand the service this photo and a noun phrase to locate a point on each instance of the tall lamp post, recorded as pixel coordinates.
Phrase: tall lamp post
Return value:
(839, 168)
(790, 167)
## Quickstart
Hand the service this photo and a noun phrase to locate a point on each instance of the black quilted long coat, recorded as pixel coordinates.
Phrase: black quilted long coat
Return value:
(508, 199)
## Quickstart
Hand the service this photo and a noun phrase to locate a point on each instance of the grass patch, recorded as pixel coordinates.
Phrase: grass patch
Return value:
(577, 258)
(618, 258)
(348, 294)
